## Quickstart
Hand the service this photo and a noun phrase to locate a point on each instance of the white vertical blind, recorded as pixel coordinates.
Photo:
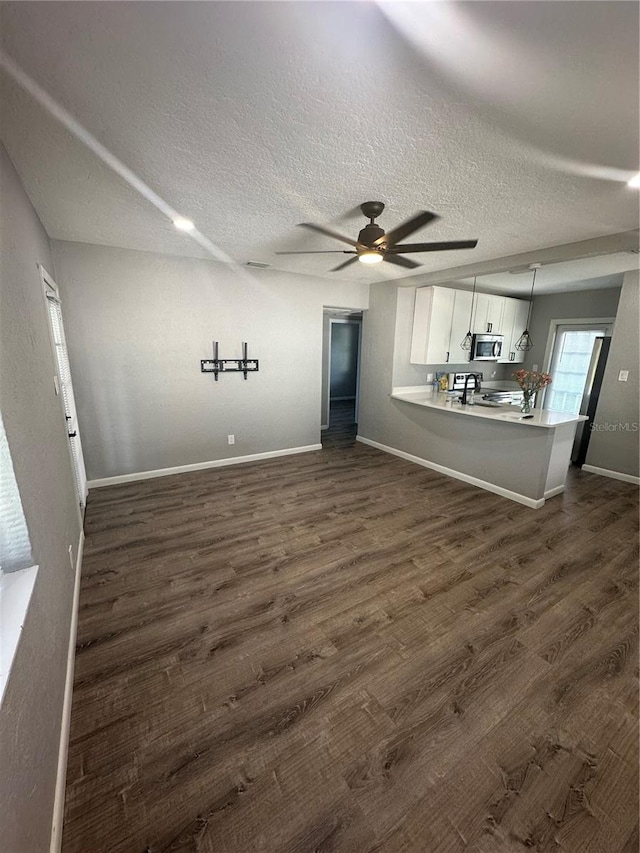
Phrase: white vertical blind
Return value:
(15, 547)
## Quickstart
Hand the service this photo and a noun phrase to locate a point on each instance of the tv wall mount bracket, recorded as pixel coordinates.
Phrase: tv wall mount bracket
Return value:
(218, 365)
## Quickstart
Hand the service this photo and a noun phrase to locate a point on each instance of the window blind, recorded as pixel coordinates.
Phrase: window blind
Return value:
(15, 547)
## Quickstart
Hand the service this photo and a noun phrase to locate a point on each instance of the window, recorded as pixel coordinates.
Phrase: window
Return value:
(17, 572)
(15, 547)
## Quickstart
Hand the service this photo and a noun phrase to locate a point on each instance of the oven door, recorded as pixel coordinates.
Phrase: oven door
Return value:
(486, 347)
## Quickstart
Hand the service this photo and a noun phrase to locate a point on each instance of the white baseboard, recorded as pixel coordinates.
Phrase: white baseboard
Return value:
(614, 475)
(551, 493)
(199, 466)
(458, 475)
(61, 778)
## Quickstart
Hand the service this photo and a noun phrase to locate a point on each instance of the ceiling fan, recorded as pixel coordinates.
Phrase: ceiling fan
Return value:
(373, 245)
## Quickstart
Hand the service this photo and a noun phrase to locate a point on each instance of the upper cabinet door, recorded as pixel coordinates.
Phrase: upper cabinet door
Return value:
(508, 322)
(515, 319)
(432, 319)
(487, 314)
(519, 325)
(460, 326)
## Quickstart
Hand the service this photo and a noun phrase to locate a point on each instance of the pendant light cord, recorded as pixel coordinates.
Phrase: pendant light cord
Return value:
(473, 299)
(535, 270)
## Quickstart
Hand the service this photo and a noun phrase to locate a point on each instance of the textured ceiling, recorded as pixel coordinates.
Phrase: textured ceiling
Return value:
(516, 122)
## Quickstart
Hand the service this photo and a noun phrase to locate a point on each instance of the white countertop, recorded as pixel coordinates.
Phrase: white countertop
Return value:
(423, 395)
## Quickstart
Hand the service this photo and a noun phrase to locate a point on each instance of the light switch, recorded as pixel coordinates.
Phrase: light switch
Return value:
(623, 376)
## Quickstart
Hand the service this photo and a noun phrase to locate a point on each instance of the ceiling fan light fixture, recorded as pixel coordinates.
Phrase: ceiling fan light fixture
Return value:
(372, 257)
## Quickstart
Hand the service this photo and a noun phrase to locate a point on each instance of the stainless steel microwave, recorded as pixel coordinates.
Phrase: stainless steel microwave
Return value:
(486, 347)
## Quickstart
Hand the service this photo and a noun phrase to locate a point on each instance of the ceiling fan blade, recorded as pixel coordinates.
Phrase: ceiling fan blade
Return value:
(344, 264)
(329, 233)
(401, 262)
(408, 227)
(433, 247)
(319, 252)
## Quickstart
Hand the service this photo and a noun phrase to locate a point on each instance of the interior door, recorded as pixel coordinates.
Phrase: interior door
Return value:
(64, 385)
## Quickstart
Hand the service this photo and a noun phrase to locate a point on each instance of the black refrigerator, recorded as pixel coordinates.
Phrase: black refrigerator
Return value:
(590, 397)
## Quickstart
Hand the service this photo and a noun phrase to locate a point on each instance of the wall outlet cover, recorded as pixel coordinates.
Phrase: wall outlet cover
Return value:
(231, 439)
(623, 376)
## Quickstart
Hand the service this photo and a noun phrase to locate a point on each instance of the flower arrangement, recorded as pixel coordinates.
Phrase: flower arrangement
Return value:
(531, 381)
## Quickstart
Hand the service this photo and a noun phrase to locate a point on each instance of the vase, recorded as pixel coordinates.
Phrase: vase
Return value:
(527, 397)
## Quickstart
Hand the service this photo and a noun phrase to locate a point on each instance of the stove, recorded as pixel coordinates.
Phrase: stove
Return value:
(457, 380)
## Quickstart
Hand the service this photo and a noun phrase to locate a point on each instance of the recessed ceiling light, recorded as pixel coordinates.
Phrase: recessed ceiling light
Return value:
(183, 224)
(635, 182)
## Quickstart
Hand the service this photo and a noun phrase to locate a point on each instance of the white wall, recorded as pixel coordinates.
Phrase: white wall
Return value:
(138, 325)
(31, 709)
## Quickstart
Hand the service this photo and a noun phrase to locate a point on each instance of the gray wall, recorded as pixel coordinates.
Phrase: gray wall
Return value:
(138, 325)
(442, 438)
(576, 304)
(619, 403)
(31, 710)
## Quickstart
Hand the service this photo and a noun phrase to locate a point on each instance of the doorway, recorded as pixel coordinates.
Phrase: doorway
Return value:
(341, 375)
(64, 385)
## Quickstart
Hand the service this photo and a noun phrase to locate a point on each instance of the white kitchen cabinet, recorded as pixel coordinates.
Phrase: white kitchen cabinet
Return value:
(460, 326)
(441, 321)
(487, 314)
(432, 319)
(508, 322)
(519, 325)
(514, 321)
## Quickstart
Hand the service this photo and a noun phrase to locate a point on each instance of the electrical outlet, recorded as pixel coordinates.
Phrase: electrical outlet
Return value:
(623, 376)
(535, 368)
(231, 439)
(429, 377)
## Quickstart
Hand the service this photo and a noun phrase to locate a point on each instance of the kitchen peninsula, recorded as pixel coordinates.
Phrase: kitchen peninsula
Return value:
(495, 448)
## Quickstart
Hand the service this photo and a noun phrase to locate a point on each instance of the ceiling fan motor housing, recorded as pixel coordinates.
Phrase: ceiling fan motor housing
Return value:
(369, 234)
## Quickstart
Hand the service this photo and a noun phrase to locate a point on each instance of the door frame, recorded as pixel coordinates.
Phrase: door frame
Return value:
(51, 292)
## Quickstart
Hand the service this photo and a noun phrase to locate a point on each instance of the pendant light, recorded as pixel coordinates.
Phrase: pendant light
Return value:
(468, 338)
(524, 342)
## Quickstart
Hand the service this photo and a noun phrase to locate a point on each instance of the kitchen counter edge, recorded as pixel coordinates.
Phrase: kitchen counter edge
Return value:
(424, 395)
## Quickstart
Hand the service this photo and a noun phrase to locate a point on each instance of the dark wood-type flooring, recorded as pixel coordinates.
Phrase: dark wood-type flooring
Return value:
(342, 428)
(343, 652)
